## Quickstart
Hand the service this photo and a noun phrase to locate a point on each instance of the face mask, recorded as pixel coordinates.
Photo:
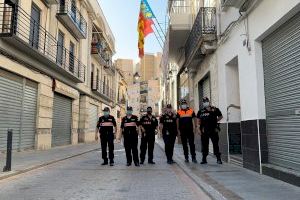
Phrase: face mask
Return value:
(149, 112)
(205, 104)
(184, 106)
(106, 113)
(129, 112)
(169, 110)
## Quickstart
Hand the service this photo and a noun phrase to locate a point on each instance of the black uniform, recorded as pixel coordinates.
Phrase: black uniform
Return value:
(130, 134)
(209, 128)
(106, 130)
(148, 138)
(186, 128)
(169, 132)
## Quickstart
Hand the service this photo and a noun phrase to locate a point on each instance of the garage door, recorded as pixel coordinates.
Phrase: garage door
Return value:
(281, 55)
(93, 113)
(62, 119)
(18, 100)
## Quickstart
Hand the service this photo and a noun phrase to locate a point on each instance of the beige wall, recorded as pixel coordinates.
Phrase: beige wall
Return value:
(81, 93)
(127, 68)
(149, 66)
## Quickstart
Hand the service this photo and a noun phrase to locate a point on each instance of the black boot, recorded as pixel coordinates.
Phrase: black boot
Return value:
(204, 161)
(194, 160)
(105, 163)
(187, 159)
(219, 161)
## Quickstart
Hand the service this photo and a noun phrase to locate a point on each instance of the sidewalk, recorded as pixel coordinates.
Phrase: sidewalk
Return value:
(28, 160)
(232, 182)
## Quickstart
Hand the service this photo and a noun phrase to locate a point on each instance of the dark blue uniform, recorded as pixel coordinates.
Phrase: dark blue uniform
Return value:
(130, 134)
(105, 125)
(150, 124)
(209, 129)
(169, 133)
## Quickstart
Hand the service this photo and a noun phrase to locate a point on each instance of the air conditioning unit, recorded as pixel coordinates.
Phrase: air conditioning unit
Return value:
(232, 3)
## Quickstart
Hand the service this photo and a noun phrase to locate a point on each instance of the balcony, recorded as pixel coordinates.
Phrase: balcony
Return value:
(202, 38)
(50, 2)
(180, 25)
(99, 53)
(71, 17)
(20, 30)
(109, 67)
(103, 90)
(232, 3)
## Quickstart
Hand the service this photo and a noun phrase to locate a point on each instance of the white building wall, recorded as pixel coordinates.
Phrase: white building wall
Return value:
(208, 66)
(250, 62)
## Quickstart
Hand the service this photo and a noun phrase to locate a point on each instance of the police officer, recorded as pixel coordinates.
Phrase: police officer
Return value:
(208, 118)
(186, 124)
(149, 126)
(129, 126)
(106, 124)
(168, 128)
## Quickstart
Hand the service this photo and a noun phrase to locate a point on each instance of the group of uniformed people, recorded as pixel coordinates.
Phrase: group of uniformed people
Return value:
(185, 123)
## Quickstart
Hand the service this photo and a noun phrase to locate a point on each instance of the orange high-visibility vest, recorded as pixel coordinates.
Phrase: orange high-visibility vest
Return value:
(187, 113)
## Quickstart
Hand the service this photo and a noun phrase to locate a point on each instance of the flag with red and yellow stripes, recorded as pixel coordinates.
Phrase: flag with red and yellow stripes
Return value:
(144, 25)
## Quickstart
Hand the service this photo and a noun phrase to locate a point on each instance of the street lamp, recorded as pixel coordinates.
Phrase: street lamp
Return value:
(136, 76)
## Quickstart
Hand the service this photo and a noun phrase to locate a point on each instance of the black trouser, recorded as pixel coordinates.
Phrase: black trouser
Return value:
(130, 144)
(169, 144)
(148, 140)
(187, 136)
(214, 136)
(107, 138)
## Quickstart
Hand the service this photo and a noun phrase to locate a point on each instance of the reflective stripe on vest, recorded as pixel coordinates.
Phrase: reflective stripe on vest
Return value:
(129, 124)
(106, 124)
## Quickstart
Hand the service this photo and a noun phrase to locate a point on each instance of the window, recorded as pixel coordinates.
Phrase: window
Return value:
(92, 75)
(34, 26)
(71, 57)
(60, 48)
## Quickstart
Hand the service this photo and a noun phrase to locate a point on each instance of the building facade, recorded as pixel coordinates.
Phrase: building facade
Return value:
(245, 59)
(148, 67)
(127, 68)
(52, 88)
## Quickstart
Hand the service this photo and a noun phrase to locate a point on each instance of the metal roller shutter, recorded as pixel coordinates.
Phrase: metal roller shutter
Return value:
(18, 99)
(93, 113)
(29, 116)
(62, 119)
(281, 55)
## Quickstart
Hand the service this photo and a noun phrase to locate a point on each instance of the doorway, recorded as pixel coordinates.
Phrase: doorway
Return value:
(234, 112)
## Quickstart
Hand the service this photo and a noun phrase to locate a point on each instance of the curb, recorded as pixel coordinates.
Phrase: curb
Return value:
(208, 189)
(15, 173)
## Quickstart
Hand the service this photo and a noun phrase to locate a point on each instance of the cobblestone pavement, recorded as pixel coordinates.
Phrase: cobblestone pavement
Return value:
(83, 177)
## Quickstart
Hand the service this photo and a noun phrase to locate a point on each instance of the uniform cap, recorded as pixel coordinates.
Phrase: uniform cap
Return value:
(205, 99)
(106, 109)
(169, 106)
(149, 108)
(182, 101)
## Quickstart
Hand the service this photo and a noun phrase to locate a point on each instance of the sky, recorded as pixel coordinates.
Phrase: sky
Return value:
(122, 17)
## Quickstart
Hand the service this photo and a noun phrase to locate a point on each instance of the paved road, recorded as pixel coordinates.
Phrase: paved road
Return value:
(84, 178)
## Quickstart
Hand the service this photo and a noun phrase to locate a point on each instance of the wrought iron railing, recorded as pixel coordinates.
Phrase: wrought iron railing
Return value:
(14, 21)
(102, 88)
(97, 49)
(205, 23)
(69, 7)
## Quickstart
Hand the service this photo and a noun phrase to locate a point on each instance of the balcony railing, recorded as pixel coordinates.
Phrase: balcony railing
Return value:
(205, 23)
(25, 33)
(102, 89)
(109, 66)
(72, 18)
(97, 50)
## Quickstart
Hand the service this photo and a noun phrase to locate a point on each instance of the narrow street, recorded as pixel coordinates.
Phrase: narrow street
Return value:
(83, 177)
